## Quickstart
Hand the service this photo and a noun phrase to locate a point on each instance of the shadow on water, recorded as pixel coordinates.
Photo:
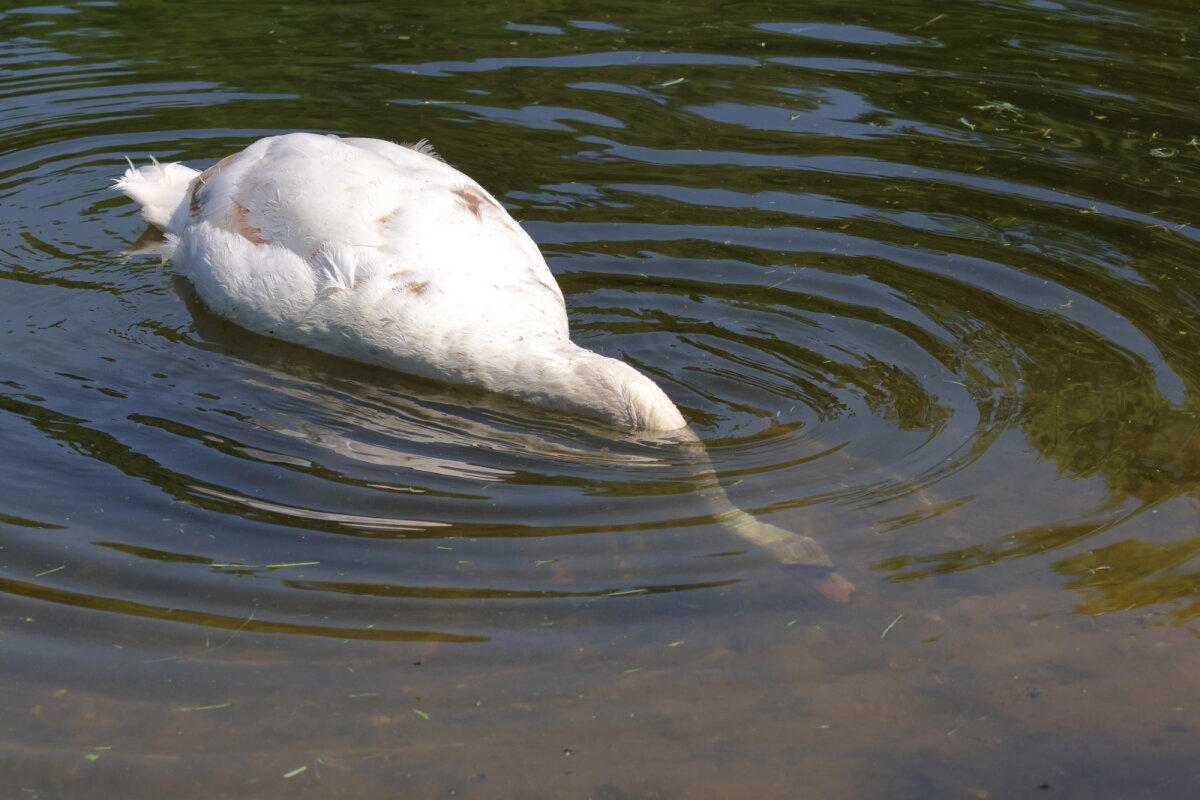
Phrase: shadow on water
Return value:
(921, 277)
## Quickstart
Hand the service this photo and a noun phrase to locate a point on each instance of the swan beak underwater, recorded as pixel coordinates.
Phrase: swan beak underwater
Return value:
(384, 254)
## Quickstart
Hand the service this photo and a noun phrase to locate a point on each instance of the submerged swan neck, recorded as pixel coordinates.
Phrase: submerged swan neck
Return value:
(567, 377)
(788, 547)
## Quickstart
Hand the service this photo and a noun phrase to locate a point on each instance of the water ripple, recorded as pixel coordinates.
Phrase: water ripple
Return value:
(869, 295)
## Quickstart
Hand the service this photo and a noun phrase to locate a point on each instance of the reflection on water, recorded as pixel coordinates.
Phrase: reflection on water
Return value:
(922, 278)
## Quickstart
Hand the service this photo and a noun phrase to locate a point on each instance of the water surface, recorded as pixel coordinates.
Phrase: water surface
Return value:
(921, 275)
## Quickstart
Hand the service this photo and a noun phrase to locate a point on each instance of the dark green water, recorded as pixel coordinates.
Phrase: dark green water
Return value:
(923, 275)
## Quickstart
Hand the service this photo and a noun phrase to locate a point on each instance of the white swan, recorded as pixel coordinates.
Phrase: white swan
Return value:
(383, 253)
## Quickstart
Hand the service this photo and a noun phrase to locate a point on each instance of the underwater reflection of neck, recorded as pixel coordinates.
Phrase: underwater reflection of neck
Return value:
(797, 553)
(785, 546)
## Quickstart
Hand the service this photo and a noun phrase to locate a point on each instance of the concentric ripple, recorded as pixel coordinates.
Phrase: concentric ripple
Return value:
(922, 281)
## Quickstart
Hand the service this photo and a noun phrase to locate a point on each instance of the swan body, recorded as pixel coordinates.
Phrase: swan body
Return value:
(385, 254)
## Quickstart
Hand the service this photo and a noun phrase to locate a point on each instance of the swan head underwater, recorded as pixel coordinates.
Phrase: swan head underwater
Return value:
(609, 390)
(385, 254)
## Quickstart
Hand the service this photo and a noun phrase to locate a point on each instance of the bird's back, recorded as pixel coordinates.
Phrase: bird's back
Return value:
(364, 248)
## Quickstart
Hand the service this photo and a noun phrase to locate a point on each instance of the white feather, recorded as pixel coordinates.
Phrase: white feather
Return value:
(158, 189)
(336, 263)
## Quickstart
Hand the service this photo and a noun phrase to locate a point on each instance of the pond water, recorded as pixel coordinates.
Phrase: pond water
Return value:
(921, 275)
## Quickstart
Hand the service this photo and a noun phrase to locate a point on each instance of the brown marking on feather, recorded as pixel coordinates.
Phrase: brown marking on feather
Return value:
(193, 200)
(200, 180)
(533, 276)
(383, 218)
(533, 287)
(400, 288)
(217, 167)
(242, 225)
(474, 200)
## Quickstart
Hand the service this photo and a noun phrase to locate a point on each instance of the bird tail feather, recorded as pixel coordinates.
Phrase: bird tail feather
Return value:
(159, 188)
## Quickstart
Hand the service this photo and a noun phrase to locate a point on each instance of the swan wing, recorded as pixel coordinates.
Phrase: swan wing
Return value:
(320, 233)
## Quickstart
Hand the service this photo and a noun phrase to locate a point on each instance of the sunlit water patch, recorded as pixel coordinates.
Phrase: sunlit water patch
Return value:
(922, 279)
